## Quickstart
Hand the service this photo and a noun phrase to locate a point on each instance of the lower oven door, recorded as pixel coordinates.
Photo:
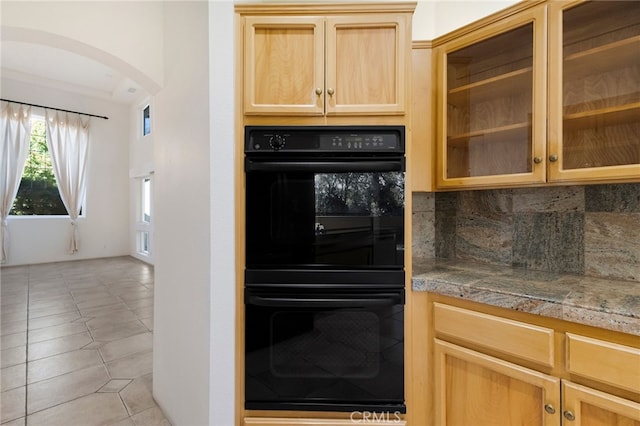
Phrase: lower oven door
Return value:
(335, 350)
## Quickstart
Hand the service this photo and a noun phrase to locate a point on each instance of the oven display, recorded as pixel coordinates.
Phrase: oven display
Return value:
(358, 142)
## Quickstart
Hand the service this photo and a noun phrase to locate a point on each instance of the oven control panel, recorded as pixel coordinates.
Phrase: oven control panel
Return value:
(353, 142)
(324, 139)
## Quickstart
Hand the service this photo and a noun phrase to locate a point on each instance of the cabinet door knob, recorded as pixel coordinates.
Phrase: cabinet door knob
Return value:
(569, 415)
(549, 408)
(537, 160)
(553, 158)
(318, 91)
(330, 91)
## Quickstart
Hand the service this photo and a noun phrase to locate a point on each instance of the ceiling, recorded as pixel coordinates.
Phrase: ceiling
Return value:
(60, 69)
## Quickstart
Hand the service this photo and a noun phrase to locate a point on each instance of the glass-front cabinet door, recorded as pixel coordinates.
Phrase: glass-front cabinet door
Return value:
(492, 103)
(594, 83)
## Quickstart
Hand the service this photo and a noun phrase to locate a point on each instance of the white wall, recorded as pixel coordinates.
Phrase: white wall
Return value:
(103, 231)
(434, 18)
(223, 295)
(181, 344)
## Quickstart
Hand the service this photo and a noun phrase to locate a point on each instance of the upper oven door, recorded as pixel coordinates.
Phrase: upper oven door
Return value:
(325, 213)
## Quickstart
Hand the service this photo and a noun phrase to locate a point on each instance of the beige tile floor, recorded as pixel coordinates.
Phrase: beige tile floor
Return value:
(76, 344)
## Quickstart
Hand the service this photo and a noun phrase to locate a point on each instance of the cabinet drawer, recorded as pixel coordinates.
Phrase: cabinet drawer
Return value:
(515, 338)
(604, 361)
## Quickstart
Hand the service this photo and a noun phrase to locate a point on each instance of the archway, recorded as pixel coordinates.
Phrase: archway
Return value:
(27, 35)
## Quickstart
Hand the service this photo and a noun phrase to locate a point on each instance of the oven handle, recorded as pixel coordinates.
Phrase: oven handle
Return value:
(337, 302)
(324, 166)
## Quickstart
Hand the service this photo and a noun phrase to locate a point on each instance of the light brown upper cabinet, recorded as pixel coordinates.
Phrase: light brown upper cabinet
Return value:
(335, 64)
(492, 104)
(548, 94)
(284, 65)
(594, 80)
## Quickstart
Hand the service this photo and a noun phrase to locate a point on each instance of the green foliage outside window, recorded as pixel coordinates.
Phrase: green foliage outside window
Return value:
(38, 192)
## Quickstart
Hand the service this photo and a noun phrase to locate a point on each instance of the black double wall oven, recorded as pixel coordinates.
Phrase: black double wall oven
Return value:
(324, 277)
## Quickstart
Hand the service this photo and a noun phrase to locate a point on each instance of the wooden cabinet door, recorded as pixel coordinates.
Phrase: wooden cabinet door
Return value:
(594, 107)
(284, 65)
(492, 104)
(367, 63)
(583, 406)
(475, 389)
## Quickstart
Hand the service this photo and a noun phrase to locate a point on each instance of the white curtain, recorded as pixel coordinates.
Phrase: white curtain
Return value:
(15, 124)
(68, 140)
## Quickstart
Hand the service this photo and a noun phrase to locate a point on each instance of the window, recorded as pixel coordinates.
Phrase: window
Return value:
(146, 120)
(144, 247)
(143, 228)
(38, 191)
(146, 200)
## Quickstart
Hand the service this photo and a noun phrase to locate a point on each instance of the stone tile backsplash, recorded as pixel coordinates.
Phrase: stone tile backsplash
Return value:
(423, 225)
(549, 241)
(591, 230)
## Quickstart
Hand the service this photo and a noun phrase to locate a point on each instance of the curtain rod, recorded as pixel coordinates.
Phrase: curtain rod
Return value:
(57, 109)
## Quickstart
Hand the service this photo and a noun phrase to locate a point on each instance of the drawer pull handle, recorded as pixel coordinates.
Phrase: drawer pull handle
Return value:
(549, 409)
(569, 415)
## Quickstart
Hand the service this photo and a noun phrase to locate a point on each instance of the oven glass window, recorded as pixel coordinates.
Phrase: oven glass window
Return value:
(328, 345)
(359, 194)
(306, 219)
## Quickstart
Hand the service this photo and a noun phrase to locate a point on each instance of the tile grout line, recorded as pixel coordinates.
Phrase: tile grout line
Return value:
(104, 363)
(26, 349)
(26, 385)
(93, 339)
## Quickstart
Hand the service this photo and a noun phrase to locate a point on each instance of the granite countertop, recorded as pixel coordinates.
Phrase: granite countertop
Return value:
(600, 302)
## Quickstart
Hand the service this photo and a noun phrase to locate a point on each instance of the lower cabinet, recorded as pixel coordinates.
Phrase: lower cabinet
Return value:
(588, 407)
(474, 388)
